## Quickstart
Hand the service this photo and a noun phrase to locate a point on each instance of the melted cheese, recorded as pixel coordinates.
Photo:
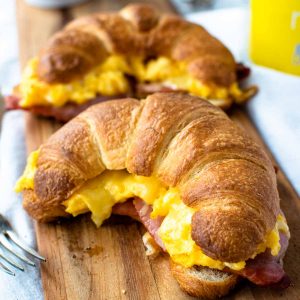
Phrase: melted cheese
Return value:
(109, 79)
(100, 194)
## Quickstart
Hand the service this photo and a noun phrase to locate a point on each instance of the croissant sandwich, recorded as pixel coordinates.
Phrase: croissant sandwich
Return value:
(204, 190)
(134, 52)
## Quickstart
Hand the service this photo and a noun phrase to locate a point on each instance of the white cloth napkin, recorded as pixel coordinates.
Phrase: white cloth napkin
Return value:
(25, 285)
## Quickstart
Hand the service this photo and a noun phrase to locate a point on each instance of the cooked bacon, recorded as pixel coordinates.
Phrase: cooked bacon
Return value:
(11, 102)
(266, 269)
(62, 113)
(126, 209)
(152, 225)
(242, 71)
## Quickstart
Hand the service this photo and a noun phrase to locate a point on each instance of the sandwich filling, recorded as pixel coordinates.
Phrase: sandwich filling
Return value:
(111, 78)
(100, 194)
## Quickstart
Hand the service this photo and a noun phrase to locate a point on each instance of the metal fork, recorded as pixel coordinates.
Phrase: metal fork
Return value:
(7, 235)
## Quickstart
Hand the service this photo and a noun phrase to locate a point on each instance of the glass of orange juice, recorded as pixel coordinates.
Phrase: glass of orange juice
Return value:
(275, 34)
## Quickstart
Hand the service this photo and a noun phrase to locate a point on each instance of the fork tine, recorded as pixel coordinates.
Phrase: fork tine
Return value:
(5, 243)
(19, 243)
(10, 261)
(6, 270)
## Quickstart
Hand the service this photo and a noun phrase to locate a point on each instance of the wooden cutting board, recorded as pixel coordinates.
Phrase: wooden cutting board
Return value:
(110, 263)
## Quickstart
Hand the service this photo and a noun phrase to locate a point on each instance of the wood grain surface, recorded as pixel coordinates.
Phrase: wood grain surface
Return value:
(110, 263)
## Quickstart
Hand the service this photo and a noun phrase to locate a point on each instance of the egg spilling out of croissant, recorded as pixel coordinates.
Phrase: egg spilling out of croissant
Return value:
(100, 194)
(136, 52)
(111, 78)
(204, 190)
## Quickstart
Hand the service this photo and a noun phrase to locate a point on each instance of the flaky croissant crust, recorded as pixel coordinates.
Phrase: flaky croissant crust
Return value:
(137, 30)
(184, 141)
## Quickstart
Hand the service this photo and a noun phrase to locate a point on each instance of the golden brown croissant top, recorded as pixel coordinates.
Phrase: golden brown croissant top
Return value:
(137, 30)
(184, 141)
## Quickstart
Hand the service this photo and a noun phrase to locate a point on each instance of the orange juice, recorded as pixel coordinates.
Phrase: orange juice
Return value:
(275, 34)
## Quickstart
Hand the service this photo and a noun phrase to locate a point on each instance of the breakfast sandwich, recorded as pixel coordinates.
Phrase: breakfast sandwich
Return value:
(134, 52)
(204, 190)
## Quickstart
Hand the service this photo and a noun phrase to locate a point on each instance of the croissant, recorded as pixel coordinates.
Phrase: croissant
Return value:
(225, 181)
(136, 51)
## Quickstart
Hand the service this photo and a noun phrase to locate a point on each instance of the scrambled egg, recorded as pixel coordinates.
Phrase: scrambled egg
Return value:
(100, 194)
(109, 78)
(26, 180)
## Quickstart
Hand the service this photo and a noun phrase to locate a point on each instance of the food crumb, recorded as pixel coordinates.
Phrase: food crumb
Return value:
(123, 292)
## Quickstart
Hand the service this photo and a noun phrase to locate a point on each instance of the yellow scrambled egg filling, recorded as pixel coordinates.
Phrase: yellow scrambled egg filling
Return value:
(100, 194)
(109, 78)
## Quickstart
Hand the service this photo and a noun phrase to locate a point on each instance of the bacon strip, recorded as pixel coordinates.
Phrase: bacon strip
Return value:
(62, 113)
(12, 102)
(242, 71)
(126, 209)
(140, 211)
(266, 269)
(152, 225)
(70, 110)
